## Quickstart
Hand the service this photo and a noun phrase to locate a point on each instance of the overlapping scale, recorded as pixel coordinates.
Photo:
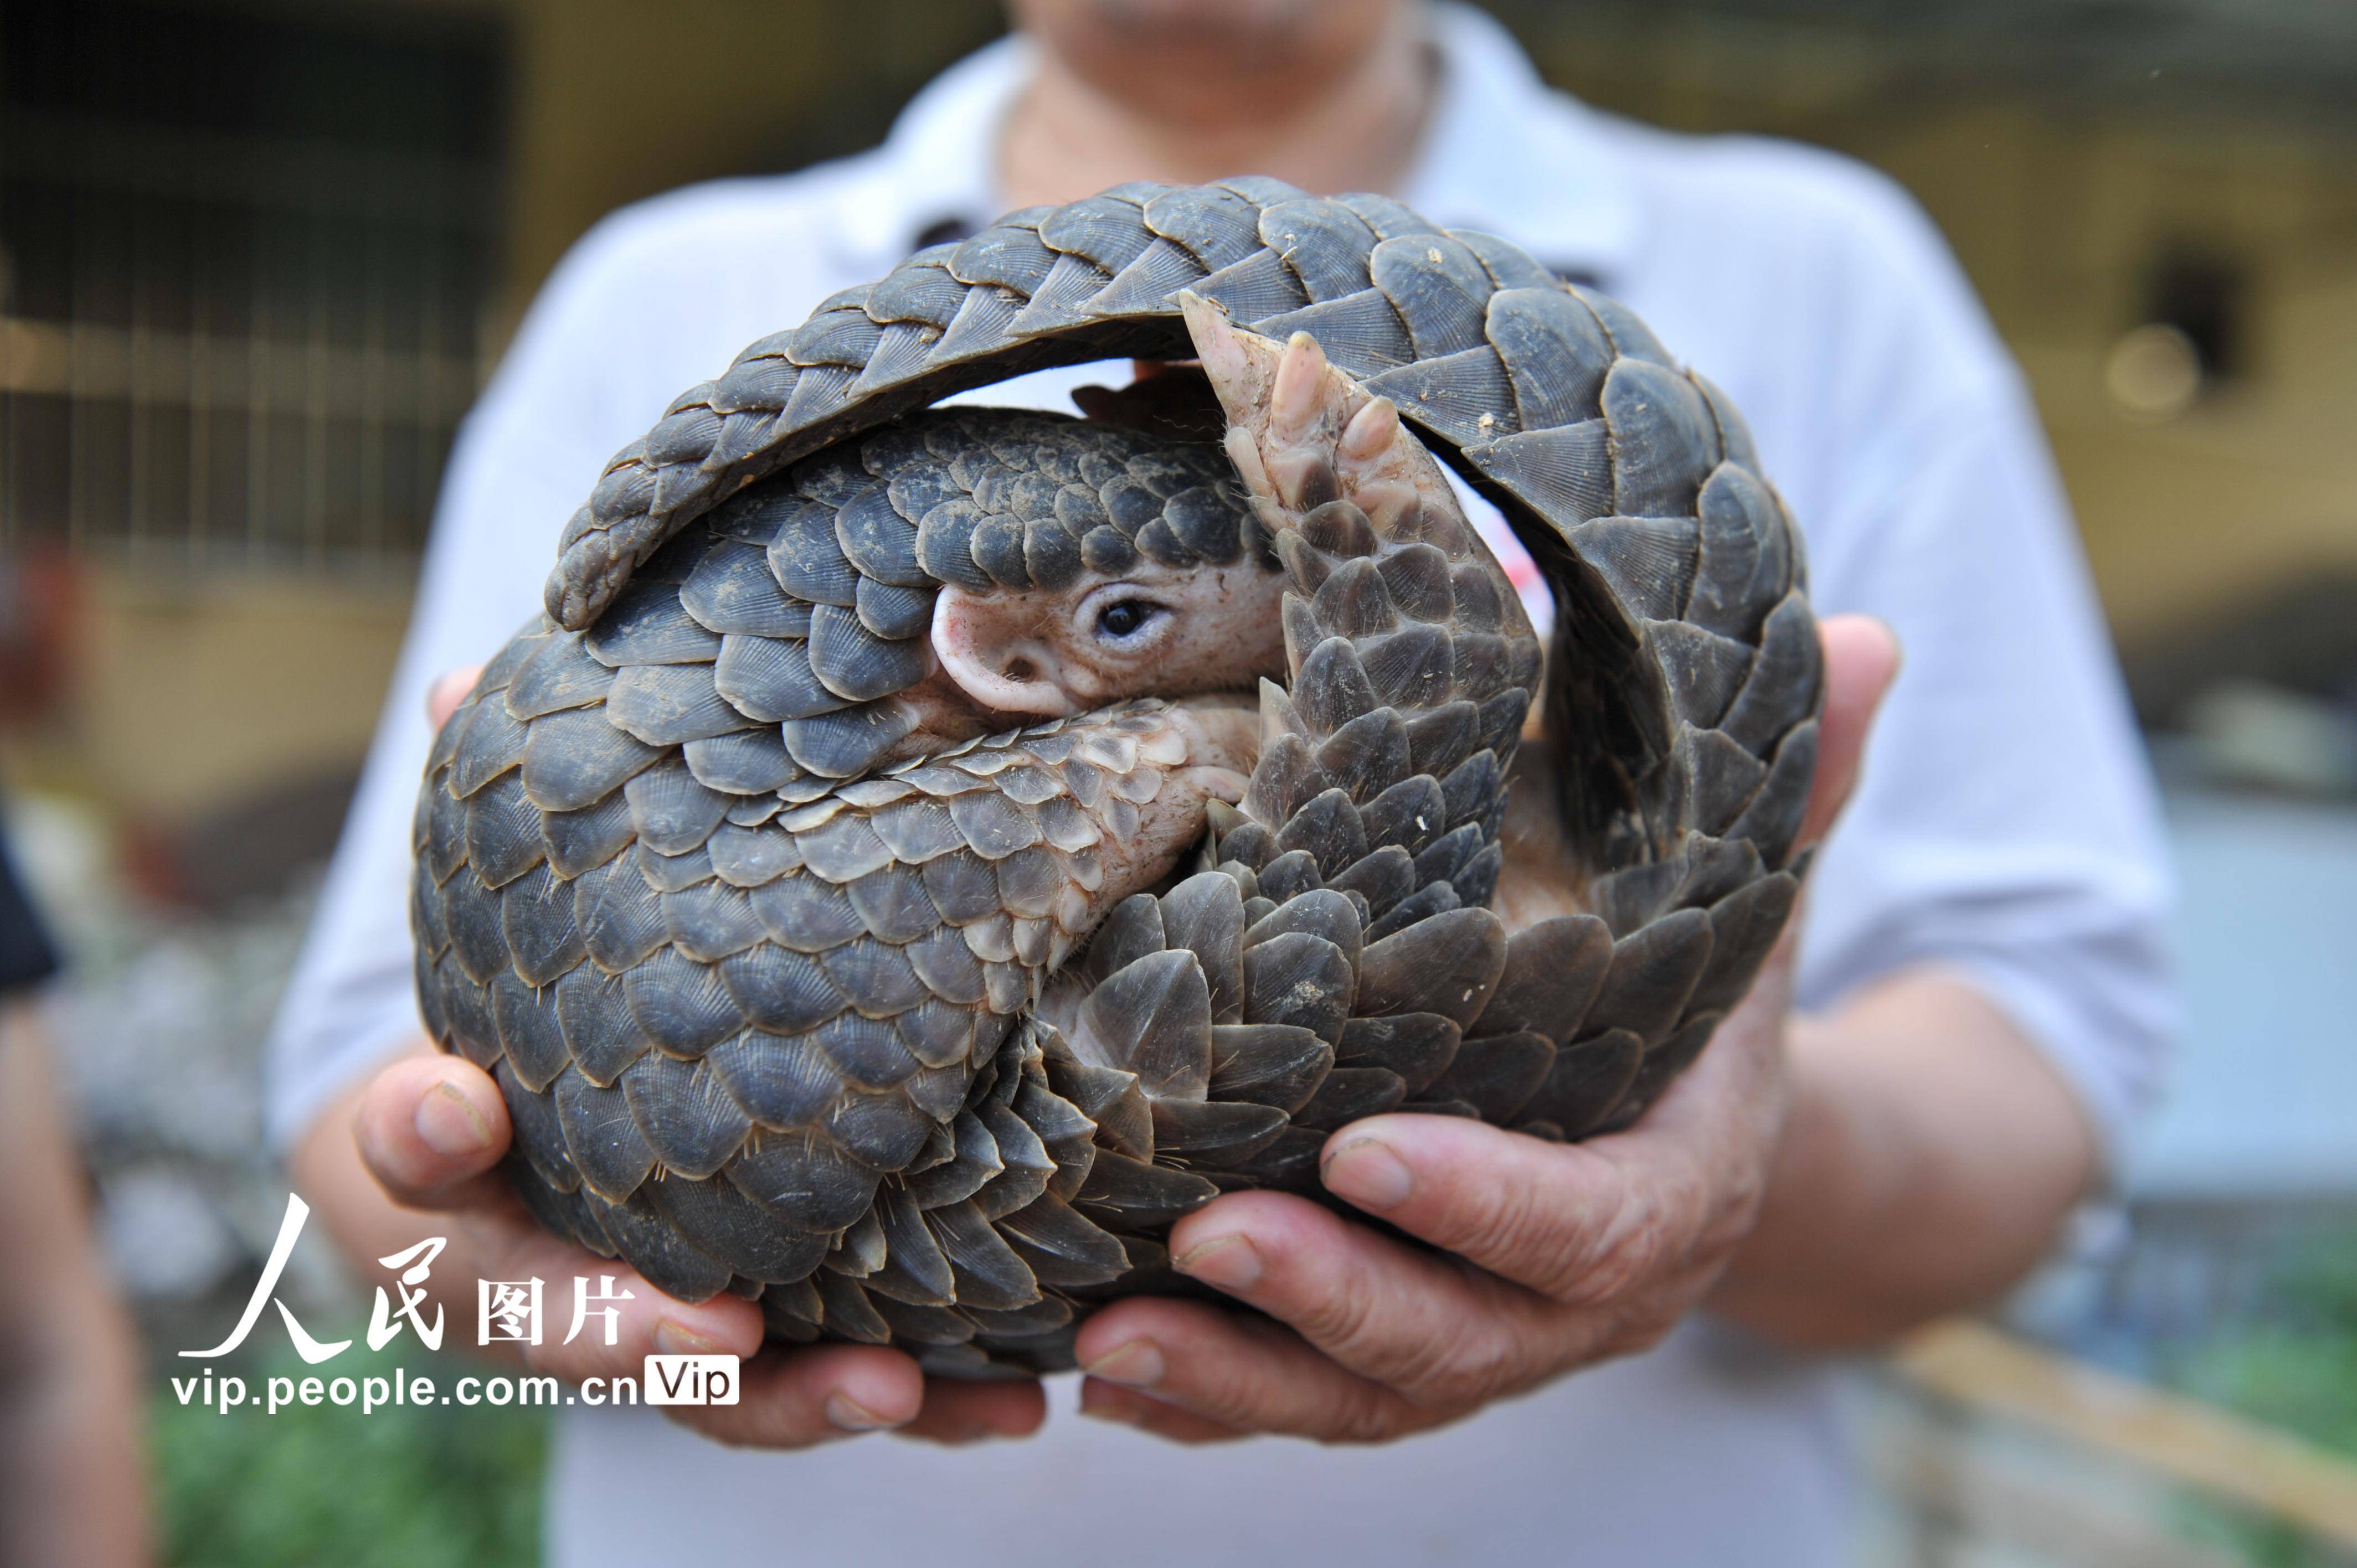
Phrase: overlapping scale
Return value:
(777, 1013)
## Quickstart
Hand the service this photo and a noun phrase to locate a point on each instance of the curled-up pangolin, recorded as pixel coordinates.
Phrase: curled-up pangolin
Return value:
(924, 852)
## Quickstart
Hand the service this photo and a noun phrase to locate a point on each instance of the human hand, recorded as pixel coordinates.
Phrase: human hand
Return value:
(431, 1129)
(1553, 1256)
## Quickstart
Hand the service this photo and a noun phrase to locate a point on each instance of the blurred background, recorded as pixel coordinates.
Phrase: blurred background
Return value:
(257, 255)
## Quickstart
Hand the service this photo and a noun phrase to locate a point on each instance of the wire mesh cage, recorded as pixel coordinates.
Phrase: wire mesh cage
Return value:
(243, 263)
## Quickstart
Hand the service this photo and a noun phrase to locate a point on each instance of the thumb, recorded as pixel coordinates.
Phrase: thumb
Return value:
(428, 1125)
(442, 699)
(1861, 662)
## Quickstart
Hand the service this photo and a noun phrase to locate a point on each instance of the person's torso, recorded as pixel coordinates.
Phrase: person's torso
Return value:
(1709, 1451)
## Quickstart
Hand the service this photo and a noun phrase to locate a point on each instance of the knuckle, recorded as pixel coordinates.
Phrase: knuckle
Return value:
(1428, 1364)
(1366, 1413)
(1572, 1233)
(1338, 1321)
(1612, 1254)
(1499, 1220)
(1424, 1367)
(1734, 1213)
(1631, 1254)
(1461, 1373)
(1523, 1229)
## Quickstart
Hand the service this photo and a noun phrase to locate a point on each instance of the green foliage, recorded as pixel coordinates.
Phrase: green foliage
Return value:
(398, 1487)
(2301, 1377)
(2298, 1372)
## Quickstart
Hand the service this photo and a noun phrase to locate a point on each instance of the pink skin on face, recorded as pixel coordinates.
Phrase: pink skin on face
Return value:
(1154, 631)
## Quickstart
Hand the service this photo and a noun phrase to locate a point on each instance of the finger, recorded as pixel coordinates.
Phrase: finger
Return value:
(1397, 1317)
(1568, 1220)
(583, 1287)
(1101, 1401)
(794, 1398)
(957, 1410)
(443, 698)
(429, 1128)
(1861, 662)
(1242, 1374)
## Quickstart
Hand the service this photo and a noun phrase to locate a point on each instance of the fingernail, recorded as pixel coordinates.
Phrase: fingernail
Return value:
(1367, 1173)
(1230, 1263)
(448, 1123)
(678, 1339)
(1115, 1409)
(848, 1414)
(1136, 1365)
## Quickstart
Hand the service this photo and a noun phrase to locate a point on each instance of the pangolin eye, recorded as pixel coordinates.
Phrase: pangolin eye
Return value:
(1126, 618)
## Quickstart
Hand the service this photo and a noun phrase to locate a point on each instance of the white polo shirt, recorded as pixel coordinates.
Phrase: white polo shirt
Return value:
(2005, 829)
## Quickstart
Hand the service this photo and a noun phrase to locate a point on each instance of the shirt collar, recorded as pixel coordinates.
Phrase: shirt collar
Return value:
(938, 161)
(1505, 154)
(1502, 153)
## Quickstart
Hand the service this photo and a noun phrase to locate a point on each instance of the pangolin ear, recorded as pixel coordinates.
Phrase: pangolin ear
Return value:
(971, 632)
(985, 646)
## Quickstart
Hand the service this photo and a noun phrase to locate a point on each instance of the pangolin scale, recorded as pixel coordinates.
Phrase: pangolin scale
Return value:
(922, 1036)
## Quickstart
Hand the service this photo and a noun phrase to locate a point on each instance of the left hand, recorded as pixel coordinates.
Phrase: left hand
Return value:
(1553, 1256)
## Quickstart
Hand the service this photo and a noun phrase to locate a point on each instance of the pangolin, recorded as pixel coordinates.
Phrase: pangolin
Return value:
(923, 852)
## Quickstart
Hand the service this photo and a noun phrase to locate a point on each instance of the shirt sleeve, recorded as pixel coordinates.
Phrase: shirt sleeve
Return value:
(2005, 826)
(524, 459)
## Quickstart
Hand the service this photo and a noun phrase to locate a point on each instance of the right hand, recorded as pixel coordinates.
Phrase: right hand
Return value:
(431, 1129)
